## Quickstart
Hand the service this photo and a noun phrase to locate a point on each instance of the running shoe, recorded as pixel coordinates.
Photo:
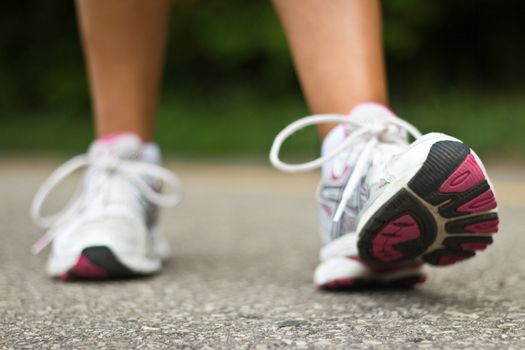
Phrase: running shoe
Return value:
(108, 229)
(389, 206)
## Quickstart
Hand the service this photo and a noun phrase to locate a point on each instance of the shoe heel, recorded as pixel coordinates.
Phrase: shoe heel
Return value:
(446, 214)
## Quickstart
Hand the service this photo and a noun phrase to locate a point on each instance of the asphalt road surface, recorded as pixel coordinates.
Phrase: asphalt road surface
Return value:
(246, 244)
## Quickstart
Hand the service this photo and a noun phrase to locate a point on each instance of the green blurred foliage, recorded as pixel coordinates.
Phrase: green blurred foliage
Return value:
(233, 55)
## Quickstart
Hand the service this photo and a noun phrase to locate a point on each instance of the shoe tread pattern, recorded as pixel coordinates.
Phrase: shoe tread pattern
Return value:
(468, 214)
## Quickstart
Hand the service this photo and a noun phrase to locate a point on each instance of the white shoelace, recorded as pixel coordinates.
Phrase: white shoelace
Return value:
(374, 132)
(133, 171)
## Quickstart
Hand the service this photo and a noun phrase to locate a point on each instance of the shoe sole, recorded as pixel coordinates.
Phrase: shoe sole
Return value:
(394, 276)
(347, 284)
(446, 212)
(106, 257)
(97, 263)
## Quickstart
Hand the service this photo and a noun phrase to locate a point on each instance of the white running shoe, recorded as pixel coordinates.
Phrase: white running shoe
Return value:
(109, 227)
(388, 206)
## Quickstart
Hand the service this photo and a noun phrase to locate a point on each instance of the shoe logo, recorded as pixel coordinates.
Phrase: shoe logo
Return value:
(330, 196)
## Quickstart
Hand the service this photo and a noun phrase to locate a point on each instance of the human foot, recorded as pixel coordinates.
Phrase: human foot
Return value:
(109, 227)
(388, 206)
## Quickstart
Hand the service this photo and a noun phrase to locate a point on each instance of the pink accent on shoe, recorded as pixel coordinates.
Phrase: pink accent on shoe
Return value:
(371, 105)
(449, 260)
(64, 277)
(483, 202)
(474, 246)
(335, 177)
(466, 176)
(338, 283)
(346, 130)
(327, 209)
(394, 268)
(489, 226)
(113, 137)
(349, 283)
(369, 109)
(391, 268)
(86, 269)
(400, 230)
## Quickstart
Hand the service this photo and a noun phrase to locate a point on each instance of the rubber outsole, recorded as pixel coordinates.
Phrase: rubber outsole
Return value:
(445, 213)
(97, 263)
(347, 284)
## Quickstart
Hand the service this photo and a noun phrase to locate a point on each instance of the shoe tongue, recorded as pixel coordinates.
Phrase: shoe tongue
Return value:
(122, 145)
(365, 113)
(370, 112)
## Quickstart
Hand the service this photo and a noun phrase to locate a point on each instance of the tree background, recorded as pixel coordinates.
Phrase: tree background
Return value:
(229, 84)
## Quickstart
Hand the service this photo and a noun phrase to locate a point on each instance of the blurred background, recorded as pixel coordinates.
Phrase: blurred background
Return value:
(229, 84)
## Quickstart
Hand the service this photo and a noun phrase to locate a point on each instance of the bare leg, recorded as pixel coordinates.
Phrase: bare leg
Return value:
(337, 49)
(124, 47)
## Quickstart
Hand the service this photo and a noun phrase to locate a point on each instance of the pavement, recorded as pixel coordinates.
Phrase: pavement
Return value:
(245, 246)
